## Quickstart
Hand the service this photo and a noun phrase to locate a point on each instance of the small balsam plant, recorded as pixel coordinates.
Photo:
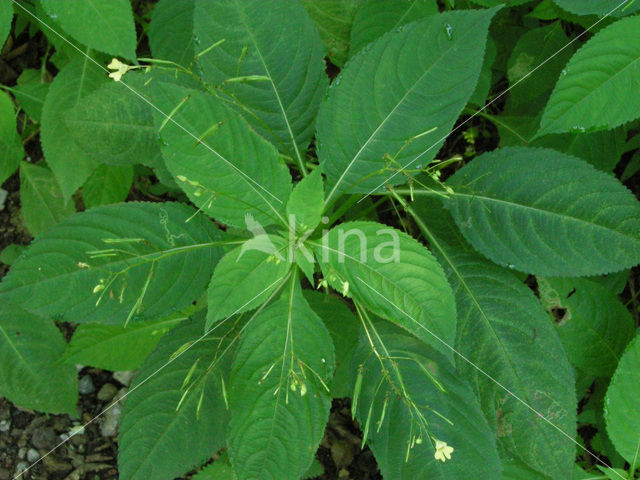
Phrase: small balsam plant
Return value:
(277, 280)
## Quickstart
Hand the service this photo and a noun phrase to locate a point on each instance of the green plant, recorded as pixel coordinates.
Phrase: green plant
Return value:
(455, 366)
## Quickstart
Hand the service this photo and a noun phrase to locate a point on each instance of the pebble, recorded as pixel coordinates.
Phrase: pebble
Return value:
(124, 377)
(107, 392)
(22, 453)
(85, 385)
(110, 419)
(33, 455)
(21, 467)
(5, 425)
(43, 438)
(3, 197)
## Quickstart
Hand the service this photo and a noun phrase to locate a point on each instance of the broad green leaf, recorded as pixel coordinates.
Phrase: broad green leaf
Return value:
(6, 17)
(112, 124)
(495, 3)
(394, 276)
(601, 149)
(393, 105)
(621, 404)
(345, 331)
(547, 213)
(41, 199)
(540, 55)
(305, 205)
(11, 149)
(211, 151)
(278, 397)
(525, 356)
(29, 376)
(279, 43)
(393, 408)
(107, 184)
(171, 31)
(30, 93)
(246, 277)
(597, 91)
(116, 347)
(593, 324)
(105, 25)
(67, 160)
(333, 19)
(615, 8)
(485, 80)
(156, 438)
(374, 18)
(150, 261)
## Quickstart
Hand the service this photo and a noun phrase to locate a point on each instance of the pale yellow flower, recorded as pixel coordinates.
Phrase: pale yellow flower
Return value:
(120, 69)
(443, 451)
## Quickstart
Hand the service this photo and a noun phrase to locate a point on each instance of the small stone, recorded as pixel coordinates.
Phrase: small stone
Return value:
(124, 377)
(21, 467)
(43, 438)
(22, 453)
(4, 474)
(85, 385)
(33, 455)
(110, 419)
(5, 425)
(3, 198)
(107, 392)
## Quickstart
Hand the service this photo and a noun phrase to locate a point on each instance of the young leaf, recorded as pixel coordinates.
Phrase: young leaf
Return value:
(278, 392)
(592, 323)
(107, 184)
(392, 106)
(421, 390)
(116, 347)
(274, 40)
(168, 428)
(68, 161)
(11, 149)
(41, 199)
(171, 31)
(246, 276)
(29, 375)
(305, 204)
(525, 356)
(105, 25)
(621, 404)
(116, 263)
(597, 92)
(394, 276)
(544, 212)
(220, 469)
(374, 18)
(115, 126)
(333, 19)
(345, 331)
(217, 167)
